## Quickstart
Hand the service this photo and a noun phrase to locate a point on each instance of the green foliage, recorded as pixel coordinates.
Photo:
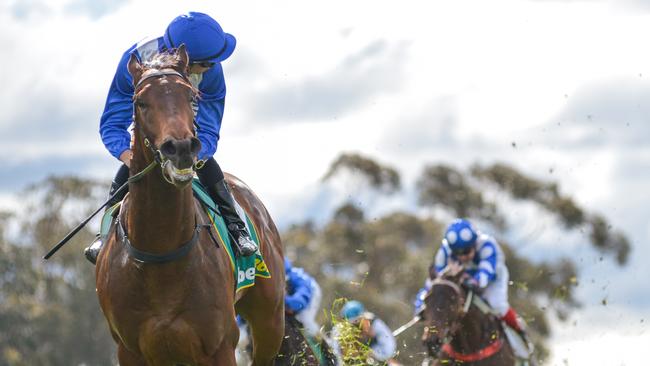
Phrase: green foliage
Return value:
(348, 337)
(49, 314)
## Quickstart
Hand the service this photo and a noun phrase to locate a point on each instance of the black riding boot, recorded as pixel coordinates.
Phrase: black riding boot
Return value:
(92, 251)
(222, 197)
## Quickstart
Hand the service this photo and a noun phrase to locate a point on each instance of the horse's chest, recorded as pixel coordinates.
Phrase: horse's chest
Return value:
(175, 330)
(164, 313)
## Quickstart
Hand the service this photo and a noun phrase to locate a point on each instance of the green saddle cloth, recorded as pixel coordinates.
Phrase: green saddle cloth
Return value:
(245, 269)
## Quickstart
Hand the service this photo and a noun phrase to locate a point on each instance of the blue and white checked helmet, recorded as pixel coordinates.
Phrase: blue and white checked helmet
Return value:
(460, 235)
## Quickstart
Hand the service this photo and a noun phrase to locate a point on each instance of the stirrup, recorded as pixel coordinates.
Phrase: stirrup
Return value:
(92, 251)
(247, 247)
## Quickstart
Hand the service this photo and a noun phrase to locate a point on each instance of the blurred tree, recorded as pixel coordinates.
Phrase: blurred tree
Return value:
(547, 195)
(382, 178)
(49, 314)
(383, 261)
(443, 186)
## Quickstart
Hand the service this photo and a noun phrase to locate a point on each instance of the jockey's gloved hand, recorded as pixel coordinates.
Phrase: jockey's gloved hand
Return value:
(470, 284)
(294, 304)
(420, 312)
(419, 299)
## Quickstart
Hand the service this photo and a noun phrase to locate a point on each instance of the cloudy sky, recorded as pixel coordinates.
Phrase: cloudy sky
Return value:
(568, 82)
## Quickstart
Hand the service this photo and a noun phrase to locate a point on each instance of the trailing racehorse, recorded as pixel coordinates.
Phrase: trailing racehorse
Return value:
(299, 350)
(458, 332)
(164, 281)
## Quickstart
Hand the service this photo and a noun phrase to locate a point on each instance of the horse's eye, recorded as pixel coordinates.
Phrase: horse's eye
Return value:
(140, 104)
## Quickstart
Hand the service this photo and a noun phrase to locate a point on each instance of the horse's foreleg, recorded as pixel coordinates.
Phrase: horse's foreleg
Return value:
(127, 358)
(224, 357)
(267, 338)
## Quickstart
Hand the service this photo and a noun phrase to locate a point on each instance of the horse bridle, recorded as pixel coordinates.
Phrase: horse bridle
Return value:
(463, 303)
(158, 156)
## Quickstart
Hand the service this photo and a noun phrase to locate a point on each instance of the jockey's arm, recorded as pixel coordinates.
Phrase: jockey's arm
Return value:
(211, 103)
(440, 262)
(118, 110)
(421, 294)
(300, 292)
(384, 346)
(487, 265)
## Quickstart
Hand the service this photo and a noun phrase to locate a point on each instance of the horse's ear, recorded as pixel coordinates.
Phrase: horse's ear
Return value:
(432, 272)
(135, 68)
(183, 57)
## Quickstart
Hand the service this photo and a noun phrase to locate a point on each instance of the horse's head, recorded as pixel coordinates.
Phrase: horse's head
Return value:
(164, 117)
(444, 308)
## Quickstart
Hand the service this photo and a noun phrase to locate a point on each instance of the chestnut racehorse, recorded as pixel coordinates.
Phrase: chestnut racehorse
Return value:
(165, 285)
(460, 333)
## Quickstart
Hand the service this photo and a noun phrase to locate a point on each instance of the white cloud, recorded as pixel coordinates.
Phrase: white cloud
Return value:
(602, 335)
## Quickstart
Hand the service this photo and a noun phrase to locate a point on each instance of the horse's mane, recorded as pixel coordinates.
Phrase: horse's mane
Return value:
(169, 60)
(164, 60)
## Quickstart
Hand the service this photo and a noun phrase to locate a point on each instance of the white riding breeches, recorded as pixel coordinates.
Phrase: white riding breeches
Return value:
(308, 316)
(496, 293)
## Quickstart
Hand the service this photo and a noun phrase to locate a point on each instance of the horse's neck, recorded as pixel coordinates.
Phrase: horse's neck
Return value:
(478, 330)
(160, 217)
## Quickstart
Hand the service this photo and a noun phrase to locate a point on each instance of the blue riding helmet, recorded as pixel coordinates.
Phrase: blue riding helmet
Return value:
(460, 235)
(352, 310)
(203, 37)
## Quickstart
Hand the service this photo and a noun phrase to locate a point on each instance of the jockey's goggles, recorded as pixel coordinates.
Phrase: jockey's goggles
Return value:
(462, 251)
(205, 64)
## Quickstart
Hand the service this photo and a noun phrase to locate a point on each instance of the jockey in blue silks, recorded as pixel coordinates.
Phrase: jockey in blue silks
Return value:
(484, 264)
(303, 297)
(207, 46)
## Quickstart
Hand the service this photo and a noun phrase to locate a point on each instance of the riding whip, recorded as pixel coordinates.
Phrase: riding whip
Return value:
(74, 231)
(82, 224)
(406, 326)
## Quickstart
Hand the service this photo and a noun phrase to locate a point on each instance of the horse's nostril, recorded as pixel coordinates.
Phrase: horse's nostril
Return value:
(168, 148)
(195, 146)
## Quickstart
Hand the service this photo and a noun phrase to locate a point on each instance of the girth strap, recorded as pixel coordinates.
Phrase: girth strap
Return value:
(147, 257)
